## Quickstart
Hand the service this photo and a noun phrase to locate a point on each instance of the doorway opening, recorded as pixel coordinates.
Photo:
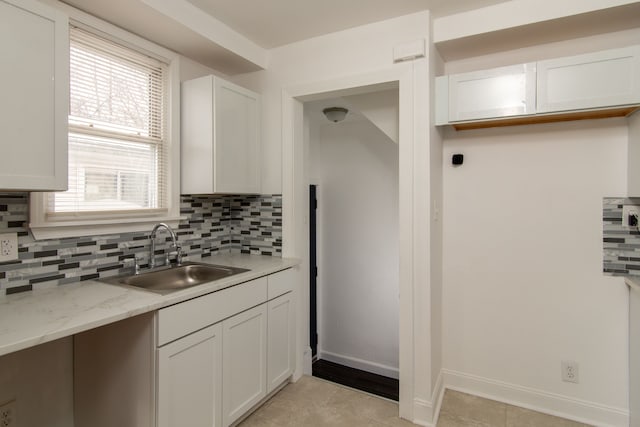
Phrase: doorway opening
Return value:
(353, 241)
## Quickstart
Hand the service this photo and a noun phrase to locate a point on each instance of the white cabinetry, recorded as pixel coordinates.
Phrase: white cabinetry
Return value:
(280, 339)
(220, 146)
(190, 380)
(499, 92)
(204, 362)
(596, 85)
(601, 79)
(245, 362)
(34, 74)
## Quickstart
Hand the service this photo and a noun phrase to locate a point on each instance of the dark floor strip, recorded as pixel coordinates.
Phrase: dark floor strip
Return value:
(355, 378)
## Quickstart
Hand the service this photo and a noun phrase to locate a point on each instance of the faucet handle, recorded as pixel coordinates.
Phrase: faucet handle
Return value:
(179, 254)
(132, 260)
(136, 265)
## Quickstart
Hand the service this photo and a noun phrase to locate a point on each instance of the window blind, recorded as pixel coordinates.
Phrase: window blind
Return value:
(117, 127)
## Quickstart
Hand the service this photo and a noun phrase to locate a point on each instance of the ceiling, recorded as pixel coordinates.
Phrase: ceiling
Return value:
(265, 23)
(273, 23)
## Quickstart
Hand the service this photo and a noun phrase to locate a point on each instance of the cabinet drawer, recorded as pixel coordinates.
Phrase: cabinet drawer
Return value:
(280, 283)
(184, 318)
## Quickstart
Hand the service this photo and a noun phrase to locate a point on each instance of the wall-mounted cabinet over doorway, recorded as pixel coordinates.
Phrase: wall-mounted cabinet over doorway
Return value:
(596, 85)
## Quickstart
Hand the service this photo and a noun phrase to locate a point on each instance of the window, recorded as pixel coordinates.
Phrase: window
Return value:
(117, 110)
(122, 163)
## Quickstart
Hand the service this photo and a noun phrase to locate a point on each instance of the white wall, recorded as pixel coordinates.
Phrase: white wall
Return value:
(355, 51)
(381, 108)
(523, 282)
(333, 62)
(355, 166)
(190, 69)
(40, 380)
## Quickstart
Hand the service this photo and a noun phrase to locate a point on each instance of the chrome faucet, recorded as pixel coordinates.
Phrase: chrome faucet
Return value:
(175, 245)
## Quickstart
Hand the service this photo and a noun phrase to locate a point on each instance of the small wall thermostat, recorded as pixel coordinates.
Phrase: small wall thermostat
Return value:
(457, 159)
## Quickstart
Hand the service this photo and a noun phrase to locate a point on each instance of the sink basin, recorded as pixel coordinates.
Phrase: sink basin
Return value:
(173, 279)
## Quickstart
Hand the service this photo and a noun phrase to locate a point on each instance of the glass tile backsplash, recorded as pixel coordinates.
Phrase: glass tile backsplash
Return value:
(236, 224)
(621, 245)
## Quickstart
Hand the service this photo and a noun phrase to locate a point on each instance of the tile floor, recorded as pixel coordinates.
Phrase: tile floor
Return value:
(315, 402)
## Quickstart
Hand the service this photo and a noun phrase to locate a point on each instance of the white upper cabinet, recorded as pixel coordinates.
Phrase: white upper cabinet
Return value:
(595, 85)
(220, 147)
(499, 92)
(596, 80)
(34, 74)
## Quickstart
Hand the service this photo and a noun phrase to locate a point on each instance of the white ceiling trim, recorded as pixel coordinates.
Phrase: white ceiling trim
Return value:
(209, 27)
(512, 14)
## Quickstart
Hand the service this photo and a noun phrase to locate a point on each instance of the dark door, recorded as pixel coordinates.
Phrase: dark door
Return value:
(313, 271)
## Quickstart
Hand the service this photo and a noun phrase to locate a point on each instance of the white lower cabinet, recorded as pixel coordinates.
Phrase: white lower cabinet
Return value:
(244, 361)
(205, 362)
(280, 349)
(190, 380)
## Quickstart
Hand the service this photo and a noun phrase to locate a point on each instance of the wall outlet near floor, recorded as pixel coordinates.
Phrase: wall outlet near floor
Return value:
(8, 414)
(630, 216)
(570, 371)
(8, 248)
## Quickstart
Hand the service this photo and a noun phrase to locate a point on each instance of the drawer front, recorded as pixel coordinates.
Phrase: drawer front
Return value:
(280, 283)
(184, 318)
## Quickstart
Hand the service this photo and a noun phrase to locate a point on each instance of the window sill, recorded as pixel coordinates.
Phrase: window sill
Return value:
(58, 230)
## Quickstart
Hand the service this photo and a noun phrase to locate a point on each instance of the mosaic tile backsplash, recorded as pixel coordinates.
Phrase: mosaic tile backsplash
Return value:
(213, 224)
(621, 245)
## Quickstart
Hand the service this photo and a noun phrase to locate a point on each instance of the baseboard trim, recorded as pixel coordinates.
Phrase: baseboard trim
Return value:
(364, 365)
(426, 413)
(422, 413)
(438, 394)
(306, 365)
(537, 400)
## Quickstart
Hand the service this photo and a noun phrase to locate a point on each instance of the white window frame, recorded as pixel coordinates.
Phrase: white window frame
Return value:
(43, 227)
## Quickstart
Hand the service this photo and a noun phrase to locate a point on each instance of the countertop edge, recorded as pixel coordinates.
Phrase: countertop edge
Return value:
(36, 317)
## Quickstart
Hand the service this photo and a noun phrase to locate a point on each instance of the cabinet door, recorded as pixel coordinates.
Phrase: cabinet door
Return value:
(34, 69)
(244, 358)
(499, 92)
(602, 79)
(280, 330)
(236, 149)
(190, 380)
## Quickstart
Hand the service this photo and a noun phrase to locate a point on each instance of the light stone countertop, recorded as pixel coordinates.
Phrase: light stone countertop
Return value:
(31, 318)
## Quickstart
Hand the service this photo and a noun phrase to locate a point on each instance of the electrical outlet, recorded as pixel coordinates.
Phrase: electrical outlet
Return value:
(570, 371)
(630, 216)
(8, 247)
(8, 414)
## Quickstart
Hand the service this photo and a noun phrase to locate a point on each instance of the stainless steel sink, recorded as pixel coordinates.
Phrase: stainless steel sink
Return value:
(173, 279)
